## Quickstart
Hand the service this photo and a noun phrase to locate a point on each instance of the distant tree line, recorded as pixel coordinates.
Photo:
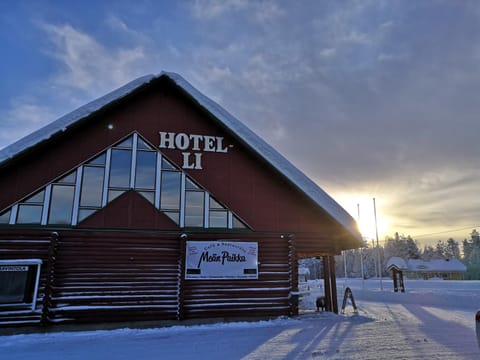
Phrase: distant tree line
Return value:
(374, 259)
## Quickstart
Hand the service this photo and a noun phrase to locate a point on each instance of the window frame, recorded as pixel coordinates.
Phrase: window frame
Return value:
(36, 281)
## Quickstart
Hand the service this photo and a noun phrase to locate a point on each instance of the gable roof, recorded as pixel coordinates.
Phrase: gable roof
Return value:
(242, 132)
(396, 262)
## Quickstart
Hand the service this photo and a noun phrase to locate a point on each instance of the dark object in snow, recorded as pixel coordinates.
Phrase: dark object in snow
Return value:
(397, 276)
(348, 295)
(477, 323)
(321, 303)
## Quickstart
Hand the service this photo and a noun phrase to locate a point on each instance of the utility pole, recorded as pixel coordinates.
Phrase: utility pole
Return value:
(361, 251)
(378, 247)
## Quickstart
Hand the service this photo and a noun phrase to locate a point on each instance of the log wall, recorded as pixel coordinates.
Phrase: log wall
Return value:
(96, 277)
(29, 245)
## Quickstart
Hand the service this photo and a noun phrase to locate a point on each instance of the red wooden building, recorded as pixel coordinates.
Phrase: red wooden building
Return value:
(154, 203)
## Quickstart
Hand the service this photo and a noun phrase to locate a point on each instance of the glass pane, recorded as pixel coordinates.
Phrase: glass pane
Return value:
(170, 190)
(5, 217)
(113, 194)
(69, 179)
(238, 224)
(125, 143)
(149, 195)
(142, 145)
(99, 160)
(175, 216)
(92, 186)
(189, 184)
(145, 176)
(29, 214)
(37, 198)
(61, 205)
(214, 204)
(120, 168)
(12, 284)
(194, 208)
(84, 213)
(167, 165)
(218, 219)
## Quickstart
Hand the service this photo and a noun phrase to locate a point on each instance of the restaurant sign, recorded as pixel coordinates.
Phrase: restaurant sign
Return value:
(221, 260)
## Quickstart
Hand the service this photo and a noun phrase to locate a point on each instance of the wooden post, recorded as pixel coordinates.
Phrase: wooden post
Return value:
(402, 284)
(181, 277)
(326, 281)
(333, 285)
(292, 259)
(395, 279)
(50, 279)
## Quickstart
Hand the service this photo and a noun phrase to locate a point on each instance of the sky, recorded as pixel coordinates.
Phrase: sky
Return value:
(370, 99)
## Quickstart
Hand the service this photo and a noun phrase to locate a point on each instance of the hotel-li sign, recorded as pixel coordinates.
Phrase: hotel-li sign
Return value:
(195, 144)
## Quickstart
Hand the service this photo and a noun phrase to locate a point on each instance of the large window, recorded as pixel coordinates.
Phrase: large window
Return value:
(146, 170)
(61, 205)
(170, 191)
(61, 201)
(92, 187)
(19, 281)
(194, 204)
(130, 164)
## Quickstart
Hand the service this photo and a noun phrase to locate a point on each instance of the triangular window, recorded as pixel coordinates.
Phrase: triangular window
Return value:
(167, 165)
(125, 144)
(142, 145)
(5, 217)
(69, 179)
(99, 160)
(130, 164)
(36, 199)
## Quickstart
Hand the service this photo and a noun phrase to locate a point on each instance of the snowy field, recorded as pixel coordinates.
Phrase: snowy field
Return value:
(433, 320)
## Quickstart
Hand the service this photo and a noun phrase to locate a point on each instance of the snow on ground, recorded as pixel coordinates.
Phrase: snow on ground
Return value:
(432, 320)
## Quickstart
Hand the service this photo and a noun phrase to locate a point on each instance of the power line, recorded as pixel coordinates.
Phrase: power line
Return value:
(446, 231)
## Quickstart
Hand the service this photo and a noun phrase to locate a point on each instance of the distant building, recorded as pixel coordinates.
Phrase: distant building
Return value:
(448, 269)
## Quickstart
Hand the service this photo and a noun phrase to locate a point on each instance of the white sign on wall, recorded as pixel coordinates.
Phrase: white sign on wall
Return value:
(221, 260)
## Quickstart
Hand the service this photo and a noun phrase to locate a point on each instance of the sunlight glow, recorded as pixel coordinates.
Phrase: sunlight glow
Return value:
(367, 226)
(360, 207)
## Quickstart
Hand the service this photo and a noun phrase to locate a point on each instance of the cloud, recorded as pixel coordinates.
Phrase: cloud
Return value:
(369, 98)
(21, 119)
(261, 11)
(210, 9)
(87, 65)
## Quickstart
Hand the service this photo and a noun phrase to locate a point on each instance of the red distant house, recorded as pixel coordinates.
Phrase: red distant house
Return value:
(154, 203)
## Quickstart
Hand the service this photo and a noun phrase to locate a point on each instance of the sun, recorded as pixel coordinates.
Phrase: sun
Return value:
(361, 208)
(368, 229)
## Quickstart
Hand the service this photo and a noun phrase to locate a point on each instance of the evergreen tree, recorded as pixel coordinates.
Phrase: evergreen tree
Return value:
(428, 253)
(440, 250)
(471, 255)
(402, 246)
(452, 249)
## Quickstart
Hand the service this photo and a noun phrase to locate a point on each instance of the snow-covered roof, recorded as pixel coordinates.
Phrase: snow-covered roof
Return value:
(296, 177)
(396, 262)
(436, 265)
(416, 265)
